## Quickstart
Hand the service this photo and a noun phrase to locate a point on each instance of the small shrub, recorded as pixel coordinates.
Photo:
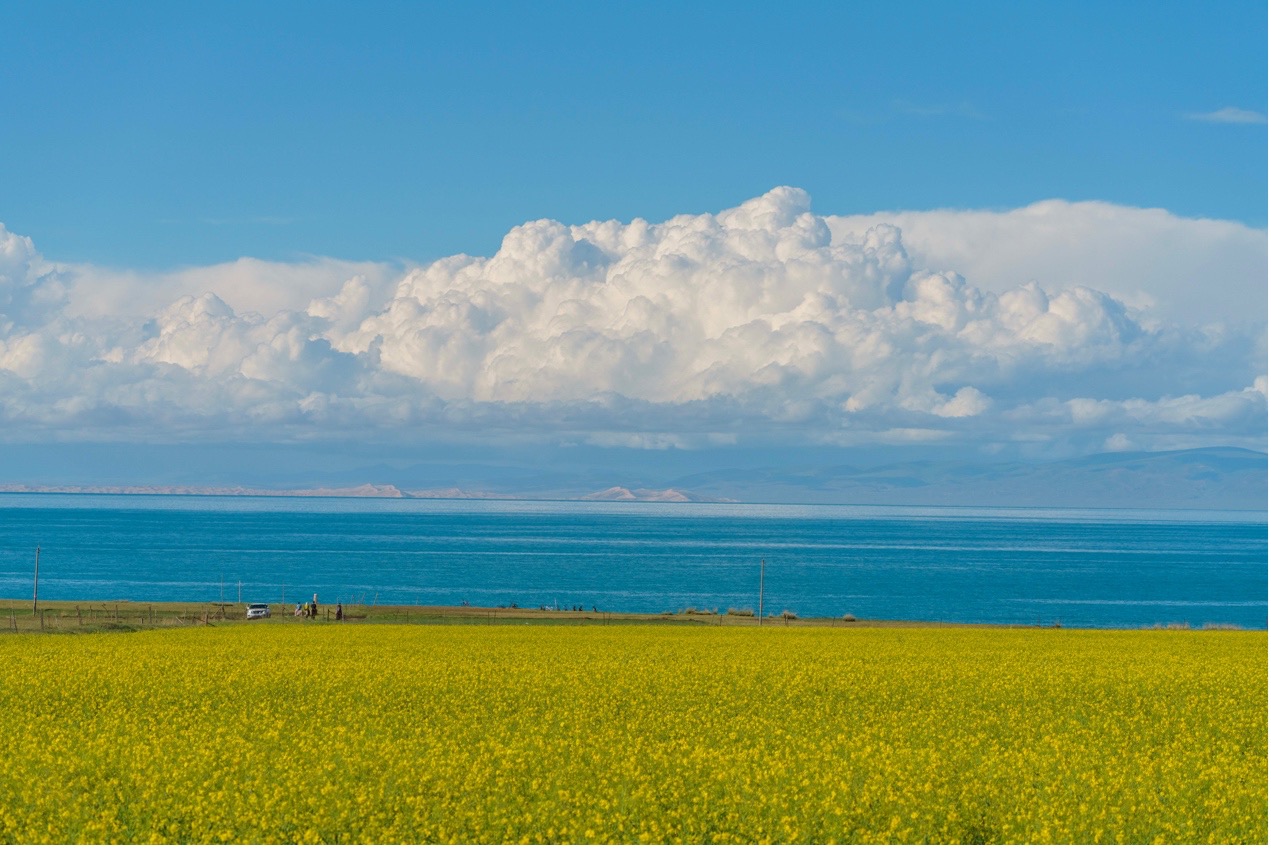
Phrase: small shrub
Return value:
(847, 617)
(789, 614)
(745, 611)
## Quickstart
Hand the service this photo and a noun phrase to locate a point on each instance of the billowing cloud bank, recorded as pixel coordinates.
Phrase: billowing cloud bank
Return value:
(761, 322)
(1177, 269)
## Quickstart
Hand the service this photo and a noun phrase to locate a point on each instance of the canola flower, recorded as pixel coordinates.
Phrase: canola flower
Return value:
(271, 733)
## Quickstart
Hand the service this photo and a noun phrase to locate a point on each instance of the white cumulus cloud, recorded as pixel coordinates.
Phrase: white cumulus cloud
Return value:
(1056, 321)
(1168, 267)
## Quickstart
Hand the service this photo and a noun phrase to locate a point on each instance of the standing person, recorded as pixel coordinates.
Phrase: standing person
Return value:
(313, 607)
(339, 611)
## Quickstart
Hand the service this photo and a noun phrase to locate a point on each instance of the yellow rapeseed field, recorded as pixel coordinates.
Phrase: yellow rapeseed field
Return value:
(267, 733)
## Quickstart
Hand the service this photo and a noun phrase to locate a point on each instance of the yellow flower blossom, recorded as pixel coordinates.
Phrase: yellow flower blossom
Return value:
(633, 734)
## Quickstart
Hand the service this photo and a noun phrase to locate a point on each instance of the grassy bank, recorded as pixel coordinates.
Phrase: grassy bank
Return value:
(70, 616)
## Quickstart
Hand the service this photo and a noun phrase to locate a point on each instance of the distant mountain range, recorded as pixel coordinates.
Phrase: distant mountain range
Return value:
(1208, 478)
(364, 491)
(621, 493)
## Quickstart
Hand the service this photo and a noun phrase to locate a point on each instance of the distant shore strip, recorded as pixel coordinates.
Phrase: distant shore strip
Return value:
(20, 616)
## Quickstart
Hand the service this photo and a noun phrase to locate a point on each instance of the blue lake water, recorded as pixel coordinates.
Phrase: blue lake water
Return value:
(1082, 568)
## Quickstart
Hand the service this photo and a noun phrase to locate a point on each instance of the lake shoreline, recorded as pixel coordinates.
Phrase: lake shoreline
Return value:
(58, 615)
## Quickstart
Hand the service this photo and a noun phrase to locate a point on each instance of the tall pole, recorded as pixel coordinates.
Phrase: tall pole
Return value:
(35, 598)
(761, 591)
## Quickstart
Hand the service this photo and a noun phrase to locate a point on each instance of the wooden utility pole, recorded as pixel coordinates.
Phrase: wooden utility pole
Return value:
(35, 598)
(761, 592)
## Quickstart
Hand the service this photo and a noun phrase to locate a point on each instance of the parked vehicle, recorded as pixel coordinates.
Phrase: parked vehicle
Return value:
(257, 611)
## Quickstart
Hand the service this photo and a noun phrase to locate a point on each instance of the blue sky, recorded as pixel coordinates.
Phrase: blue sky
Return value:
(155, 135)
(1021, 230)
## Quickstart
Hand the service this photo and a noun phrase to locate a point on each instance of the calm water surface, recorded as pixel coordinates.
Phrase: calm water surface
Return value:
(1084, 568)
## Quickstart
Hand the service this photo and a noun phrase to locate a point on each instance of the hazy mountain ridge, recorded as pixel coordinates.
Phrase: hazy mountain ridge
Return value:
(367, 490)
(1217, 478)
(1207, 478)
(621, 493)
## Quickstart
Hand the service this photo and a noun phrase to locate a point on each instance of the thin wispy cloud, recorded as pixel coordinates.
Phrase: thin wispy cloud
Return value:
(274, 220)
(902, 109)
(961, 109)
(1229, 115)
